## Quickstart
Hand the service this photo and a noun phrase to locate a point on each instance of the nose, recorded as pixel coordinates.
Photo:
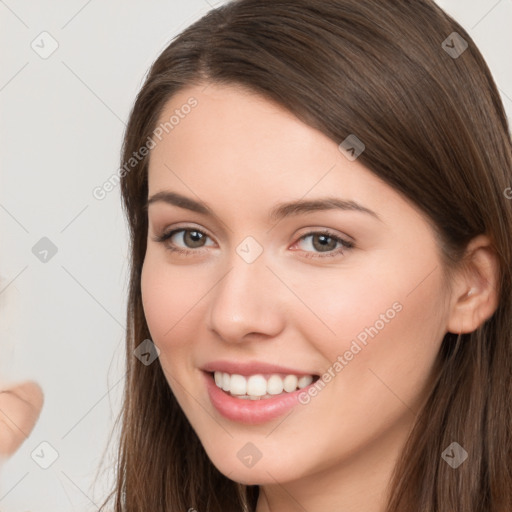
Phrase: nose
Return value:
(246, 303)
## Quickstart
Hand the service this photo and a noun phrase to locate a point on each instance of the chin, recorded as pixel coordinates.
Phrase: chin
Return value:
(263, 472)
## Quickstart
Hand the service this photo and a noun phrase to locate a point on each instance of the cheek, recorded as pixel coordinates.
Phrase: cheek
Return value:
(389, 351)
(381, 329)
(348, 304)
(168, 296)
(170, 302)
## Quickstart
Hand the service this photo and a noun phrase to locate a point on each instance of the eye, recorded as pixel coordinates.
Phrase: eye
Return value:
(320, 244)
(315, 244)
(191, 238)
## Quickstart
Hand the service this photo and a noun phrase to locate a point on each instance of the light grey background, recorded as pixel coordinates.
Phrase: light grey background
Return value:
(62, 120)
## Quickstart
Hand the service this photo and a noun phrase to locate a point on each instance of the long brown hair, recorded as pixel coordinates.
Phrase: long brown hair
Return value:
(430, 116)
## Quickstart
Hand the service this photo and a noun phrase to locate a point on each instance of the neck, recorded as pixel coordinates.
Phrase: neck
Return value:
(359, 482)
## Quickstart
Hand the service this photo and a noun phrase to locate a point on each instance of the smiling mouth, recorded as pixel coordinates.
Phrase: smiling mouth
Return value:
(260, 386)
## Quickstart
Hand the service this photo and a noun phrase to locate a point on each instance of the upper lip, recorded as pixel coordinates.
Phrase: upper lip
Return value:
(250, 368)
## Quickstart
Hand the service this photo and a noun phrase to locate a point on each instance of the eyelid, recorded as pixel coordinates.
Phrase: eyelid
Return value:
(167, 234)
(185, 227)
(328, 231)
(346, 243)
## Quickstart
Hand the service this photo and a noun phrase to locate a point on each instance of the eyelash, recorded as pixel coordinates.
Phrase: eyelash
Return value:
(346, 245)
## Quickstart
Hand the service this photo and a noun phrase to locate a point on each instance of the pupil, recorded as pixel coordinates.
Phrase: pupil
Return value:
(323, 243)
(195, 238)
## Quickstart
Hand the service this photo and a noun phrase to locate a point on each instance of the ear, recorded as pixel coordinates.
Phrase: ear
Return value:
(474, 296)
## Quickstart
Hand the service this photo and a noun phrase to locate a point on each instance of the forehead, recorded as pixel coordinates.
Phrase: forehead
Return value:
(239, 129)
(236, 148)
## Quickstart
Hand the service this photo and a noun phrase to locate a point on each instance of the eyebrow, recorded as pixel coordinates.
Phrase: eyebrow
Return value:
(279, 211)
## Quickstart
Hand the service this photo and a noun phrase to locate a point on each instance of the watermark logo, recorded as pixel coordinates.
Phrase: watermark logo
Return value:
(44, 45)
(44, 250)
(454, 455)
(249, 249)
(44, 455)
(454, 45)
(146, 352)
(351, 147)
(249, 455)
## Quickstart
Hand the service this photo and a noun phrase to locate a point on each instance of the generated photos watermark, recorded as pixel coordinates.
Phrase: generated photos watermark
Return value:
(101, 191)
(356, 346)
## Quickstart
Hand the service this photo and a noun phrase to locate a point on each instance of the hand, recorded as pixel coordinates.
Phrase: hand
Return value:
(20, 406)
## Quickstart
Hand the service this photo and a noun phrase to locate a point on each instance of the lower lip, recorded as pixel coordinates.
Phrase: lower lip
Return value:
(251, 412)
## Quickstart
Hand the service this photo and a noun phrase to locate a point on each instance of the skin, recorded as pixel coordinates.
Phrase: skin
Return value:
(241, 154)
(20, 406)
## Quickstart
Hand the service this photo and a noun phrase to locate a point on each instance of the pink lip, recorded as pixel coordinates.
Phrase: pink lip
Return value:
(251, 412)
(250, 368)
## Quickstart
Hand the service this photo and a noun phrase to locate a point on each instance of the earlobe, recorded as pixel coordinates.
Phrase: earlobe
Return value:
(475, 292)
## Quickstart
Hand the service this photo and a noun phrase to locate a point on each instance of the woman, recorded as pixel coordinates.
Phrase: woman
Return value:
(320, 299)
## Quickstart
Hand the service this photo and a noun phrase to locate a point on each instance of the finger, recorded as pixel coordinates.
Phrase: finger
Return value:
(20, 407)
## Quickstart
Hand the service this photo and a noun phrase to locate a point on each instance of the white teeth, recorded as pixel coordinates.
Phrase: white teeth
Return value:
(226, 382)
(275, 385)
(290, 383)
(304, 381)
(238, 384)
(258, 387)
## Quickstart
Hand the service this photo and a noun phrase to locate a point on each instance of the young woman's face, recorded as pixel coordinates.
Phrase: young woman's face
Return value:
(345, 286)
